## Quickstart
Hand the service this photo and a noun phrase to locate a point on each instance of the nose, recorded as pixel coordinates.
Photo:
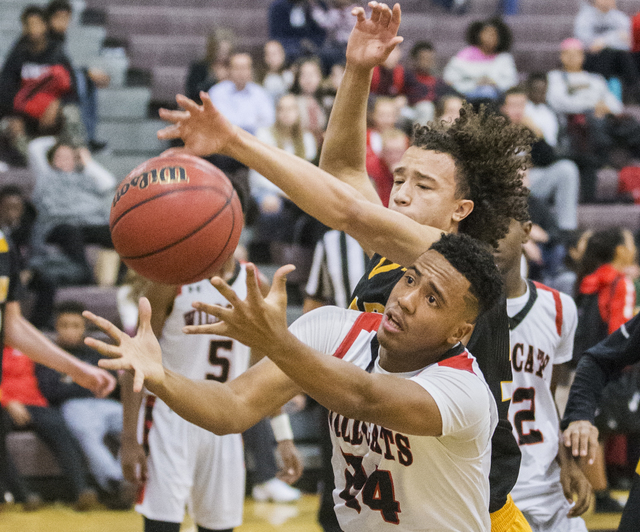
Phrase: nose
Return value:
(407, 301)
(402, 195)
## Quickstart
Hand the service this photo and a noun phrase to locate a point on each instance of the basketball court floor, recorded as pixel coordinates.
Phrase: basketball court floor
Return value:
(258, 517)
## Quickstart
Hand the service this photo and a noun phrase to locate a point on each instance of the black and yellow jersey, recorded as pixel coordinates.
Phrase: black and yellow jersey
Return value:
(489, 344)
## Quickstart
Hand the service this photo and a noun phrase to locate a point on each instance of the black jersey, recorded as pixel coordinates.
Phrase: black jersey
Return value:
(9, 283)
(489, 344)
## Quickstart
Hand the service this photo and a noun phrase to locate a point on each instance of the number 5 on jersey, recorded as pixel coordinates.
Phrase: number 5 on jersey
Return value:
(220, 364)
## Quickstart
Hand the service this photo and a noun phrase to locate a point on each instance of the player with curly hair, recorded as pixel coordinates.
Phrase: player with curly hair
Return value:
(464, 177)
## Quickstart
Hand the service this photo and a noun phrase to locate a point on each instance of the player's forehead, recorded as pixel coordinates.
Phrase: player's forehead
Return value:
(431, 164)
(432, 267)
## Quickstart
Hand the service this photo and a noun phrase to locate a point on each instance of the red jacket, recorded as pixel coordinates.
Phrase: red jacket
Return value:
(616, 295)
(19, 379)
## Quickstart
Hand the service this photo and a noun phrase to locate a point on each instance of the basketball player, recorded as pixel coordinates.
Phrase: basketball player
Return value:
(460, 177)
(543, 323)
(182, 464)
(407, 401)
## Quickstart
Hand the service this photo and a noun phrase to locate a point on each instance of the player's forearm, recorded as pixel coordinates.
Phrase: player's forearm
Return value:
(19, 333)
(131, 402)
(352, 392)
(334, 203)
(344, 147)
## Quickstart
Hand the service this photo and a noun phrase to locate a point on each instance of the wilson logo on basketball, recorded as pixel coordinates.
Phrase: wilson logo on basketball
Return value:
(164, 176)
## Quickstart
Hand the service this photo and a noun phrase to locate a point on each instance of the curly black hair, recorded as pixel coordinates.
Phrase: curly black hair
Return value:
(490, 155)
(474, 261)
(505, 37)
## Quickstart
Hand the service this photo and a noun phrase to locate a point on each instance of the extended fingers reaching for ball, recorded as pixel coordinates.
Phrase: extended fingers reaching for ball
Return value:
(140, 355)
(250, 321)
(203, 129)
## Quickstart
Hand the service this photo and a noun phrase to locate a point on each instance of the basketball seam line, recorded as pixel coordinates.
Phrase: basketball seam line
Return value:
(166, 193)
(227, 202)
(233, 219)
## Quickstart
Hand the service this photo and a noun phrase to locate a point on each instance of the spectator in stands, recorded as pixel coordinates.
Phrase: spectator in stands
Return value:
(331, 85)
(13, 142)
(36, 82)
(383, 118)
(87, 79)
(245, 103)
(90, 419)
(593, 114)
(214, 67)
(484, 69)
(456, 7)
(380, 167)
(28, 409)
(605, 32)
(553, 180)
(448, 108)
(307, 86)
(77, 216)
(336, 19)
(390, 78)
(537, 110)
(603, 270)
(277, 213)
(278, 79)
(291, 23)
(425, 88)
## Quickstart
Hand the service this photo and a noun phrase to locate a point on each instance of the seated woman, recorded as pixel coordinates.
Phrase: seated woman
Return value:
(277, 213)
(484, 69)
(72, 196)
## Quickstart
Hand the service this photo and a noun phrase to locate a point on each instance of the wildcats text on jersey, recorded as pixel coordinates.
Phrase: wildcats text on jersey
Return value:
(392, 445)
(535, 361)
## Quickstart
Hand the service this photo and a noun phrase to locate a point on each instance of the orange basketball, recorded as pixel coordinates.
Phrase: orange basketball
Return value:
(175, 219)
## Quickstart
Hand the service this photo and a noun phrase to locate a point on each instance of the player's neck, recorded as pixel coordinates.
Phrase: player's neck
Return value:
(405, 364)
(514, 284)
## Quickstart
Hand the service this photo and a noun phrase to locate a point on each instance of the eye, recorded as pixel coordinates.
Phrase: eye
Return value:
(408, 279)
(432, 300)
(423, 187)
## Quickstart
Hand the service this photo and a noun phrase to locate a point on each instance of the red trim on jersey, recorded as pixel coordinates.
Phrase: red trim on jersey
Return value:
(558, 302)
(463, 361)
(148, 422)
(367, 321)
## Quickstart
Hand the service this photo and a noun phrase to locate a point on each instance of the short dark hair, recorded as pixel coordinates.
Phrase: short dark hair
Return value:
(518, 89)
(32, 10)
(490, 155)
(419, 47)
(601, 249)
(11, 190)
(505, 38)
(55, 6)
(474, 261)
(69, 307)
(536, 76)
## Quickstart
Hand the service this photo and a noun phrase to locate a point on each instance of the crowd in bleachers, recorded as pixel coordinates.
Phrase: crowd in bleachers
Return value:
(585, 116)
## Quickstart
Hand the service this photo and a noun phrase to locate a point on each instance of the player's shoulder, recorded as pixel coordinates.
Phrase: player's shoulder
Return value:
(561, 301)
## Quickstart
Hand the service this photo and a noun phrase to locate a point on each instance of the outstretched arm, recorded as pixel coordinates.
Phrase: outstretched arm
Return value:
(344, 148)
(220, 408)
(204, 131)
(336, 384)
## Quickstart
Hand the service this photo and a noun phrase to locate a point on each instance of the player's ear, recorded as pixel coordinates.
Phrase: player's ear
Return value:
(461, 334)
(463, 209)
(526, 230)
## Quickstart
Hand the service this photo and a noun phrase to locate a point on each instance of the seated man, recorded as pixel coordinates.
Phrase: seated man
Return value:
(415, 402)
(90, 419)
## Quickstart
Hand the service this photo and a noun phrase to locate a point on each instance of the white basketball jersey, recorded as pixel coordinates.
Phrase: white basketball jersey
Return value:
(543, 324)
(202, 356)
(386, 480)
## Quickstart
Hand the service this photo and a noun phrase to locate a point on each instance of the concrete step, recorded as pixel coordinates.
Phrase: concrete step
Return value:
(121, 164)
(123, 102)
(605, 216)
(130, 137)
(84, 43)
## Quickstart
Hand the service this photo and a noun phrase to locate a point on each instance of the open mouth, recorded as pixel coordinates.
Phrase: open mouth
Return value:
(392, 322)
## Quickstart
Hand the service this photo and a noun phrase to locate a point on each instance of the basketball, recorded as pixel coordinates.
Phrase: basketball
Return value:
(175, 219)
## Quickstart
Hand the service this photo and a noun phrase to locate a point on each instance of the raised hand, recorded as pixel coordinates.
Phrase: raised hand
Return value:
(372, 39)
(140, 355)
(256, 321)
(202, 128)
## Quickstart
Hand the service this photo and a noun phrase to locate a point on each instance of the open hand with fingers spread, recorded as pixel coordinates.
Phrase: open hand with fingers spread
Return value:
(373, 39)
(257, 322)
(203, 129)
(140, 355)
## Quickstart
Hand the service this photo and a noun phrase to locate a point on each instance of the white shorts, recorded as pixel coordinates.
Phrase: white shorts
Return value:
(189, 467)
(547, 512)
